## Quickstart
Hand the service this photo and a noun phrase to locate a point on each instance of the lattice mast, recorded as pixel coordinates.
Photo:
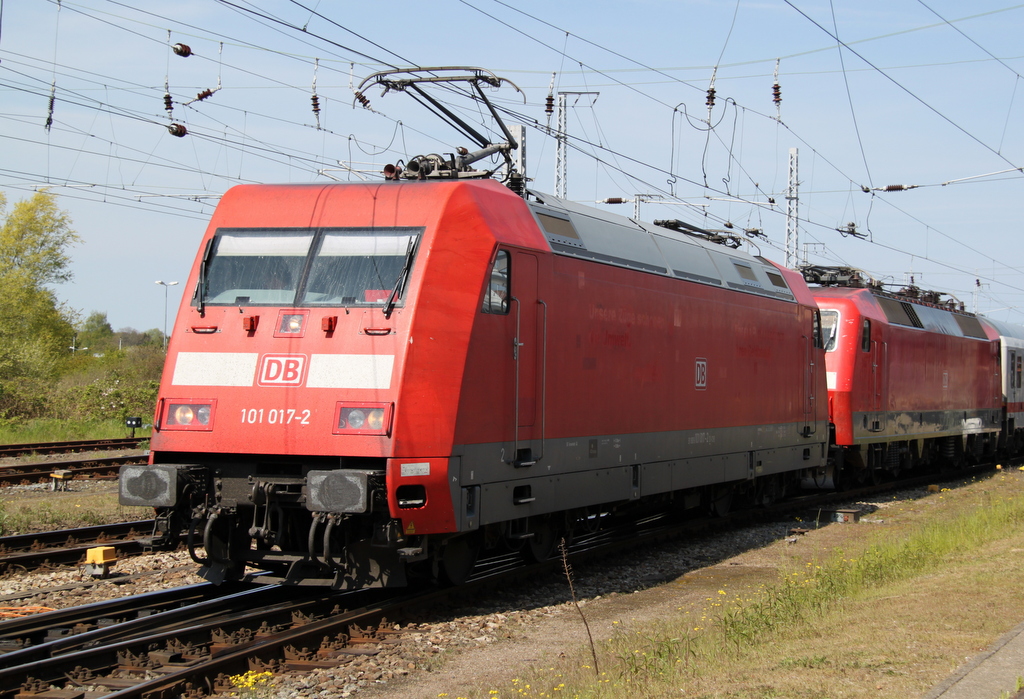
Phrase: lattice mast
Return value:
(561, 171)
(792, 213)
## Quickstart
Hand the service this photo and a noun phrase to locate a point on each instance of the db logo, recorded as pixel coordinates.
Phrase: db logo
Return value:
(282, 370)
(700, 377)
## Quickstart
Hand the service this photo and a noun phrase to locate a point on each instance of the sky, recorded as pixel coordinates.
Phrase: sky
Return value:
(924, 97)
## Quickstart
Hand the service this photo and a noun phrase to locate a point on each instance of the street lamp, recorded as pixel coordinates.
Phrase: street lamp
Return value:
(165, 285)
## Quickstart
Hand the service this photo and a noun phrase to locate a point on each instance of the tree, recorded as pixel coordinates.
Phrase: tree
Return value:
(96, 334)
(34, 239)
(35, 328)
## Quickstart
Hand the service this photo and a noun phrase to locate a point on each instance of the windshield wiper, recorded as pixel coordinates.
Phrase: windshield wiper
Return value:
(389, 307)
(200, 293)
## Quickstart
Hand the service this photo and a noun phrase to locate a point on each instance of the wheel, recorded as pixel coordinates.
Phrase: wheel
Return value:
(721, 500)
(542, 543)
(456, 560)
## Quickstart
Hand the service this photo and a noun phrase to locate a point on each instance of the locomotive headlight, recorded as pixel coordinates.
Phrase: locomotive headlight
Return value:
(183, 414)
(363, 418)
(291, 324)
(356, 419)
(179, 415)
(375, 419)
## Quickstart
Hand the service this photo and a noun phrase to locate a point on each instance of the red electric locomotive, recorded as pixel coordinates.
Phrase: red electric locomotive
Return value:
(910, 381)
(370, 375)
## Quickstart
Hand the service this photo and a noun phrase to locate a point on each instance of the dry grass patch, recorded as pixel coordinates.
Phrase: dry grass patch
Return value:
(85, 503)
(888, 610)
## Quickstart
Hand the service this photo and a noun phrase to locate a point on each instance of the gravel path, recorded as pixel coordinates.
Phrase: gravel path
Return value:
(491, 640)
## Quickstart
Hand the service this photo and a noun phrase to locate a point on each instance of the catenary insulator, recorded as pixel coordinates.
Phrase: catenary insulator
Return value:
(203, 95)
(363, 100)
(316, 104)
(177, 130)
(168, 102)
(711, 97)
(549, 104)
(182, 50)
(777, 94)
(49, 112)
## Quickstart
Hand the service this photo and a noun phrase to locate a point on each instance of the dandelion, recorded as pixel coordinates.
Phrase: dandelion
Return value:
(252, 684)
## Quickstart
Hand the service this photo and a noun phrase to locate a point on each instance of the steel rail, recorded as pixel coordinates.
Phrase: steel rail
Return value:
(197, 668)
(20, 474)
(75, 445)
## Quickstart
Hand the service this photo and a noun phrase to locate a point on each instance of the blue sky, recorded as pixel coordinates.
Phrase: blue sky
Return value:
(920, 93)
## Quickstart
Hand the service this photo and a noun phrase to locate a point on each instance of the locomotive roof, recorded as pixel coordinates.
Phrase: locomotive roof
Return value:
(1006, 329)
(582, 231)
(909, 312)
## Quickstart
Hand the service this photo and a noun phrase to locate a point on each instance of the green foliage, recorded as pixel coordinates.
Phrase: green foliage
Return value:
(40, 375)
(35, 328)
(35, 238)
(121, 383)
(96, 334)
(59, 430)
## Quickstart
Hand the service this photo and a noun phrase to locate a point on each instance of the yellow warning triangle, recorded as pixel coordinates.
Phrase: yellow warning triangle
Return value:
(410, 528)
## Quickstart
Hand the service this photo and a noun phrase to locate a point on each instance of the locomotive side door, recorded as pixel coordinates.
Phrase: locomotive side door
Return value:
(879, 368)
(526, 352)
(811, 369)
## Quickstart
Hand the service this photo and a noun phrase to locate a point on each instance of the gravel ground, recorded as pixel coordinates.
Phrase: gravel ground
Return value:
(70, 586)
(490, 639)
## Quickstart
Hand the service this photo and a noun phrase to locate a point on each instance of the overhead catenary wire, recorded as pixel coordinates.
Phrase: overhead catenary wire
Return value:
(610, 160)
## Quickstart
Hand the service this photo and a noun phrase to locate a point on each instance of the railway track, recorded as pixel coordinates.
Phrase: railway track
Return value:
(90, 467)
(72, 446)
(24, 552)
(193, 650)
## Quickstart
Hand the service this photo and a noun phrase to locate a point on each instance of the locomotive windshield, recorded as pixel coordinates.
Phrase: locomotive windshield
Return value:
(829, 328)
(303, 267)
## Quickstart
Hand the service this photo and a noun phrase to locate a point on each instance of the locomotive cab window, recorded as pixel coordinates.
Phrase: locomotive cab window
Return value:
(829, 328)
(308, 267)
(259, 268)
(358, 268)
(496, 295)
(865, 336)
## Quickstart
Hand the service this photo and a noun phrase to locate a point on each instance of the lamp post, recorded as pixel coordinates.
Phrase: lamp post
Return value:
(165, 285)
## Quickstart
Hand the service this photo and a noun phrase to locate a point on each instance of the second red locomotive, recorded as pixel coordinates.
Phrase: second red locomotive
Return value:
(910, 381)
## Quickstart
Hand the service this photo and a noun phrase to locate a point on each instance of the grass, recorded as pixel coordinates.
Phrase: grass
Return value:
(22, 512)
(888, 613)
(48, 430)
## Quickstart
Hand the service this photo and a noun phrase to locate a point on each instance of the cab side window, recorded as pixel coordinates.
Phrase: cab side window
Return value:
(816, 330)
(496, 295)
(865, 338)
